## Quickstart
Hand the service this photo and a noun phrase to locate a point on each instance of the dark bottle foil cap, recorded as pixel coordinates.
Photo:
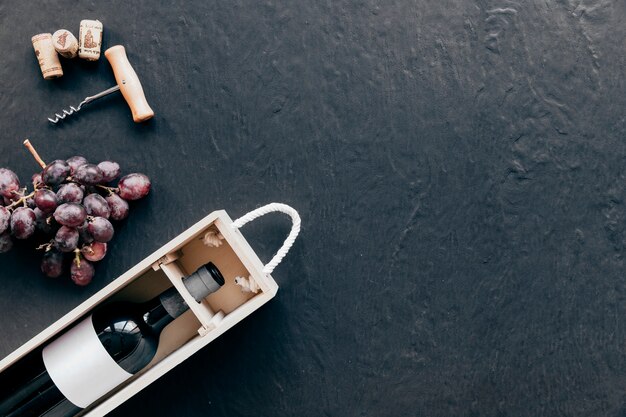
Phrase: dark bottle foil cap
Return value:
(206, 280)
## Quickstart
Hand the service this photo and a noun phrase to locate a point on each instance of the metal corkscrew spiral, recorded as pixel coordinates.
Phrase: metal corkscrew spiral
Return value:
(87, 100)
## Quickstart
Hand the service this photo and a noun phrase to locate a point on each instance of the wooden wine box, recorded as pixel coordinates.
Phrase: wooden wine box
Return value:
(166, 267)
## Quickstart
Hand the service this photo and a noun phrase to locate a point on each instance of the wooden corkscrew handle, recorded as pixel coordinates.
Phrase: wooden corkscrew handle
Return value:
(129, 84)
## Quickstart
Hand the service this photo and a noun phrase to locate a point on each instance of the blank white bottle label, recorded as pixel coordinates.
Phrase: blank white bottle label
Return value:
(80, 366)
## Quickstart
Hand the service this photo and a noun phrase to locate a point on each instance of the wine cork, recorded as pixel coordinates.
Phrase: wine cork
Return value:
(90, 39)
(65, 43)
(47, 56)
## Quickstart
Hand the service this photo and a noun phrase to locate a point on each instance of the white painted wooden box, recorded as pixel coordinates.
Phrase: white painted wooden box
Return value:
(203, 322)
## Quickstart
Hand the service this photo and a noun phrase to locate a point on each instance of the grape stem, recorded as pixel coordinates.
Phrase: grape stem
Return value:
(20, 201)
(111, 190)
(77, 257)
(32, 150)
(46, 246)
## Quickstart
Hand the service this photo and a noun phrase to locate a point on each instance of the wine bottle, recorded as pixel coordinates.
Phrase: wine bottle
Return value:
(116, 341)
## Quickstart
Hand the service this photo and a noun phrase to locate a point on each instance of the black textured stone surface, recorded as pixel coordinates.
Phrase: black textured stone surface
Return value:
(459, 167)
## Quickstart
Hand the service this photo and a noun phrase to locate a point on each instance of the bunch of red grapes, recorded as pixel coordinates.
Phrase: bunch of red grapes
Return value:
(74, 203)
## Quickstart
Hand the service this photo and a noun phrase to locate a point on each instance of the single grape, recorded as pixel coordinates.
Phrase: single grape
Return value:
(9, 183)
(46, 200)
(118, 206)
(88, 174)
(134, 186)
(95, 251)
(70, 214)
(110, 170)
(23, 222)
(37, 181)
(42, 223)
(76, 161)
(96, 205)
(30, 202)
(66, 239)
(81, 271)
(6, 243)
(5, 219)
(84, 234)
(101, 229)
(70, 193)
(52, 264)
(56, 172)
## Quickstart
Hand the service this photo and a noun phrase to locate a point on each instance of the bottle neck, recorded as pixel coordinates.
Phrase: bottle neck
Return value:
(206, 280)
(155, 315)
(167, 306)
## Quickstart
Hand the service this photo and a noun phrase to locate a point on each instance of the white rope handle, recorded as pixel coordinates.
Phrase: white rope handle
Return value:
(295, 229)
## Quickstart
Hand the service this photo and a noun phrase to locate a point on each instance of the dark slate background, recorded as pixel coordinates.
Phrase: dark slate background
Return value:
(459, 167)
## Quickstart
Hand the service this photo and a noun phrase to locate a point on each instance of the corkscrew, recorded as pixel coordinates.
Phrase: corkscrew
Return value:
(87, 100)
(127, 82)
